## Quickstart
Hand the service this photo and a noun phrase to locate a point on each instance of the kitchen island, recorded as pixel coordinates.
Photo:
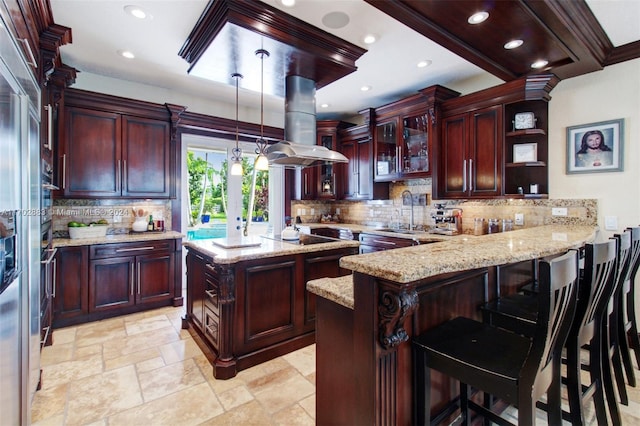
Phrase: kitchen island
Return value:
(247, 301)
(365, 324)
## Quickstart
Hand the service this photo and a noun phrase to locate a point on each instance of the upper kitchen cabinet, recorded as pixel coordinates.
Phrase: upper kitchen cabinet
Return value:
(357, 181)
(111, 148)
(403, 134)
(482, 153)
(321, 182)
(471, 154)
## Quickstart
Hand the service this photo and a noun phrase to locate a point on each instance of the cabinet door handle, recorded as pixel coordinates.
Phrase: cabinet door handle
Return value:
(118, 176)
(132, 280)
(55, 280)
(389, 243)
(33, 62)
(470, 174)
(49, 109)
(464, 175)
(138, 283)
(306, 189)
(64, 171)
(124, 172)
(134, 249)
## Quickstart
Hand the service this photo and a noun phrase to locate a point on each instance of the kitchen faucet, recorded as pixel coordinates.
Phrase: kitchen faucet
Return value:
(407, 192)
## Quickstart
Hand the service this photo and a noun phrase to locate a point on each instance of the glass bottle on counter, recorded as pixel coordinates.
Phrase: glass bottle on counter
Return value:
(507, 225)
(494, 226)
(150, 225)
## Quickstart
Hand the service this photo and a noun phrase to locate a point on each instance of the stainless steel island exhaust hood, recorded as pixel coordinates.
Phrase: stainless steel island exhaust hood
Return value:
(300, 126)
(300, 155)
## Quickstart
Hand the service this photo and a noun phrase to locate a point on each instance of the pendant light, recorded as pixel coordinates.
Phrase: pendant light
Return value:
(236, 153)
(262, 163)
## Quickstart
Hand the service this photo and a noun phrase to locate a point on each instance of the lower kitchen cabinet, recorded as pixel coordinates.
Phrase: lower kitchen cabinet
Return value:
(115, 279)
(70, 289)
(254, 310)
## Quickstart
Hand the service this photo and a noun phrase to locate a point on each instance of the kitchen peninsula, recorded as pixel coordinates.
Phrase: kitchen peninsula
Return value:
(365, 323)
(247, 300)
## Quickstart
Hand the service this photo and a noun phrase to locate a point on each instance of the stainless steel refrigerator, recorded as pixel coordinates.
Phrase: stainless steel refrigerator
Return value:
(19, 232)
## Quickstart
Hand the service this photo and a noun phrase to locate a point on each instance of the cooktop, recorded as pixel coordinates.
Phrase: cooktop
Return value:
(305, 239)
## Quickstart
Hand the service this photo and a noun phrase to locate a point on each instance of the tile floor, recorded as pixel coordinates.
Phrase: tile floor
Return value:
(143, 369)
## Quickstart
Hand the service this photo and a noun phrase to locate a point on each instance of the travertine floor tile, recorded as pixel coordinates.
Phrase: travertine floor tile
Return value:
(190, 406)
(309, 405)
(149, 323)
(304, 360)
(69, 371)
(170, 379)
(99, 396)
(132, 358)
(281, 389)
(49, 403)
(235, 397)
(293, 415)
(251, 414)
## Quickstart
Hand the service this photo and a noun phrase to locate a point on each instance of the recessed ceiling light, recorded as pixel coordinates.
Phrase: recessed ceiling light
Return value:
(126, 53)
(369, 39)
(288, 3)
(539, 63)
(324, 106)
(513, 44)
(335, 20)
(477, 18)
(365, 88)
(425, 63)
(135, 11)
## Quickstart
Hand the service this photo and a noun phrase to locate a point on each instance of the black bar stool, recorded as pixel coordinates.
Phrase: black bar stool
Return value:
(604, 269)
(627, 328)
(514, 368)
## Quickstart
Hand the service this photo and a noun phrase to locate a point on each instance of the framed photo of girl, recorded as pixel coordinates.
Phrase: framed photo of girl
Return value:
(595, 147)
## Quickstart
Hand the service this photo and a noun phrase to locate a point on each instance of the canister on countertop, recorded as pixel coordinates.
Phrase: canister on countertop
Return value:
(494, 226)
(479, 226)
(507, 225)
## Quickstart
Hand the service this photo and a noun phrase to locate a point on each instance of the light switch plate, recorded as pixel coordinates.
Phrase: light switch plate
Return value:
(559, 211)
(611, 223)
(519, 219)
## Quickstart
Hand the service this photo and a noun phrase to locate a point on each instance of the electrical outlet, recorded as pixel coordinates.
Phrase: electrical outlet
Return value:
(313, 212)
(303, 212)
(559, 211)
(519, 219)
(611, 223)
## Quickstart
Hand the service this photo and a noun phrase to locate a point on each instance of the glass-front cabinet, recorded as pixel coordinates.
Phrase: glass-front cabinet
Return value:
(404, 130)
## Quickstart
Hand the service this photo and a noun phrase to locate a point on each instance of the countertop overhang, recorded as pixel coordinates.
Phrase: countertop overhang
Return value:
(467, 252)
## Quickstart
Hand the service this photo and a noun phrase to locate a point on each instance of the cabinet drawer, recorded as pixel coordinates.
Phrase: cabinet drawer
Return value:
(385, 243)
(131, 249)
(211, 325)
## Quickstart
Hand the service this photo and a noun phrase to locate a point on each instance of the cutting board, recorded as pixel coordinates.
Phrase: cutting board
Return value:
(231, 243)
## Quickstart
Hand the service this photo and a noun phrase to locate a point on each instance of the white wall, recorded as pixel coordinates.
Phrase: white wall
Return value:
(609, 94)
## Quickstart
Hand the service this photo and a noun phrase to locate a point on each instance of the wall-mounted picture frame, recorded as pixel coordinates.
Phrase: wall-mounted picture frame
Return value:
(525, 152)
(595, 147)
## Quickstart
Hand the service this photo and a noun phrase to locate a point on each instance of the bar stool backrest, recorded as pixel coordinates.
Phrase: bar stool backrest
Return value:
(558, 295)
(595, 289)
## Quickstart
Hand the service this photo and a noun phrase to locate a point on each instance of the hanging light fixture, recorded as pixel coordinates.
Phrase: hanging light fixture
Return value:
(236, 153)
(262, 163)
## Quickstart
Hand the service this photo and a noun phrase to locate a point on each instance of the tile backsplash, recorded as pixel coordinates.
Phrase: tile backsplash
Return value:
(119, 213)
(390, 212)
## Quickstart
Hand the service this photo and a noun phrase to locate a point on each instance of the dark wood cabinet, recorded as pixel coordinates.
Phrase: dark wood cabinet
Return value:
(403, 135)
(324, 181)
(70, 289)
(475, 150)
(136, 273)
(357, 174)
(370, 243)
(106, 280)
(251, 311)
(471, 154)
(107, 153)
(521, 173)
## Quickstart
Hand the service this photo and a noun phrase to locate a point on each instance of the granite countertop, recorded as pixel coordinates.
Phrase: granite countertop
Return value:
(117, 238)
(466, 252)
(259, 247)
